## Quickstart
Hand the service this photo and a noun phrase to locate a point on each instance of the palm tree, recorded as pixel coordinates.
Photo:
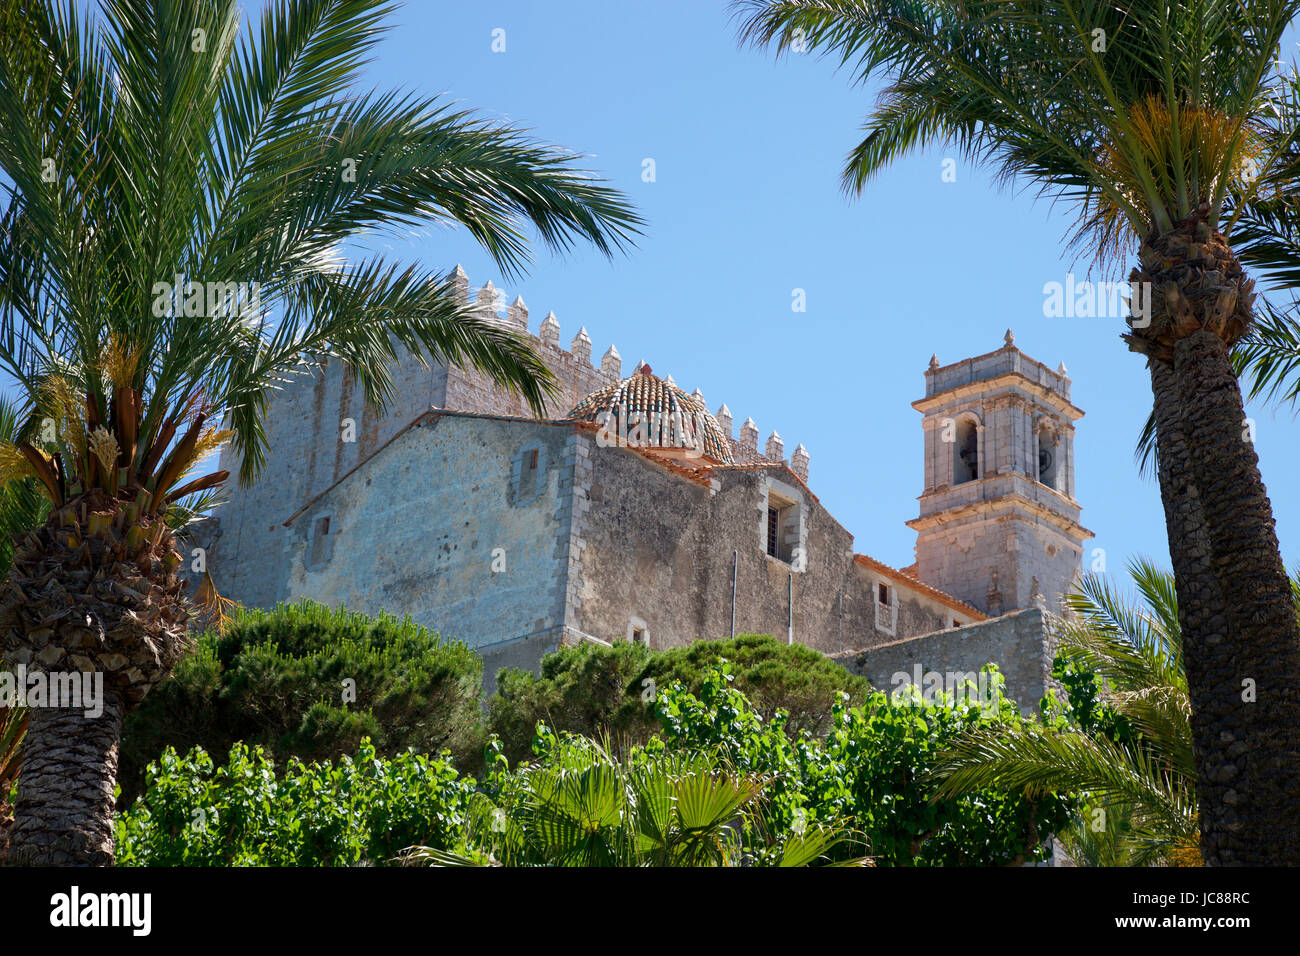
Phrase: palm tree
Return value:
(579, 806)
(1130, 752)
(1267, 238)
(161, 154)
(22, 510)
(1150, 118)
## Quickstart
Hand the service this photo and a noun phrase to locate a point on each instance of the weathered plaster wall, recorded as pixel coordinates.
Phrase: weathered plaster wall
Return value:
(658, 552)
(417, 530)
(320, 428)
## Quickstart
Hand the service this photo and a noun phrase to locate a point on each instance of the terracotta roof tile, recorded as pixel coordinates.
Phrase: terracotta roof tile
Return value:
(944, 598)
(646, 403)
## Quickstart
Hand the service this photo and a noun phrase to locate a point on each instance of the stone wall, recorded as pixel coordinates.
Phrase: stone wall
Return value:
(441, 526)
(1019, 643)
(320, 428)
(660, 550)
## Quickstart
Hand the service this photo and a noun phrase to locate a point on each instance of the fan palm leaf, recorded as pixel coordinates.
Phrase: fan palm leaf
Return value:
(1144, 786)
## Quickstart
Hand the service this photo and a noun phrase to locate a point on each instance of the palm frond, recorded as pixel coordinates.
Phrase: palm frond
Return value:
(176, 186)
(1137, 112)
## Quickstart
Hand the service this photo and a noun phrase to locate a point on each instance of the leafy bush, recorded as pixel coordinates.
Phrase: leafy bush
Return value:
(578, 805)
(309, 681)
(362, 811)
(1120, 738)
(873, 772)
(718, 785)
(595, 691)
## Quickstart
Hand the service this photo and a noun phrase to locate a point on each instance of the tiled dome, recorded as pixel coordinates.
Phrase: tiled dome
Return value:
(643, 395)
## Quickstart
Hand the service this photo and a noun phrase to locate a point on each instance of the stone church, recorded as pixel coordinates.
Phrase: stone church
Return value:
(630, 512)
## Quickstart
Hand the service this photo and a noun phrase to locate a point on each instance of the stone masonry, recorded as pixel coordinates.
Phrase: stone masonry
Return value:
(517, 533)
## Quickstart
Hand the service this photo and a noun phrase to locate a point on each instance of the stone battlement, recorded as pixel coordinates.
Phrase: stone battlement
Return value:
(578, 376)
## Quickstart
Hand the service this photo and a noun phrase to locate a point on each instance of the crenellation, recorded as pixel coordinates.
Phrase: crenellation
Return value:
(723, 415)
(460, 282)
(580, 347)
(489, 300)
(549, 333)
(611, 363)
(800, 461)
(518, 314)
(749, 438)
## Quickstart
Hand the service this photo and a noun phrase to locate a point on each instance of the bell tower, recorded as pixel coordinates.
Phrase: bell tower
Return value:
(999, 525)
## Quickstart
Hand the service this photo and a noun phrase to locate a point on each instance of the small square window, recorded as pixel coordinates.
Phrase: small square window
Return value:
(639, 636)
(781, 529)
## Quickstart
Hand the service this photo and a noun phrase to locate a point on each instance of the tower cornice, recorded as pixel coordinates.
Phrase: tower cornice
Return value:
(1009, 506)
(980, 388)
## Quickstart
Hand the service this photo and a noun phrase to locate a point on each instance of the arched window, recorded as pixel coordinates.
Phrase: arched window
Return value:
(965, 452)
(1048, 453)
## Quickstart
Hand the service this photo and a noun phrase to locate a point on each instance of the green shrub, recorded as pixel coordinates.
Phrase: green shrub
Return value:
(719, 784)
(285, 680)
(362, 811)
(872, 774)
(594, 691)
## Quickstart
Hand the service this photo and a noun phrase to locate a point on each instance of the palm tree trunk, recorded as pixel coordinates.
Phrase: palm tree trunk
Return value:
(64, 812)
(1201, 613)
(1246, 702)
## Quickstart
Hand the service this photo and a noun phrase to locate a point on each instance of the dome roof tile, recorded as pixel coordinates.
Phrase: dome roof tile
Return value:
(642, 396)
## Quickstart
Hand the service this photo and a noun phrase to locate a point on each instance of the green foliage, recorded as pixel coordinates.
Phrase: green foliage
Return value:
(358, 812)
(255, 162)
(1121, 738)
(278, 679)
(871, 775)
(597, 691)
(580, 806)
(719, 786)
(1072, 96)
(22, 509)
(22, 506)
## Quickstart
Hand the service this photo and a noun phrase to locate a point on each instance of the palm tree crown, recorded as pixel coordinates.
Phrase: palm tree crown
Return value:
(183, 194)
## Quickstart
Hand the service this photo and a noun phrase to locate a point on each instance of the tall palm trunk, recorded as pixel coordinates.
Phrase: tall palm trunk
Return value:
(1201, 614)
(64, 813)
(1253, 671)
(1241, 642)
(93, 593)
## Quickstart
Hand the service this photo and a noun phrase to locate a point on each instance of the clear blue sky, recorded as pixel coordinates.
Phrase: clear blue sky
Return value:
(746, 207)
